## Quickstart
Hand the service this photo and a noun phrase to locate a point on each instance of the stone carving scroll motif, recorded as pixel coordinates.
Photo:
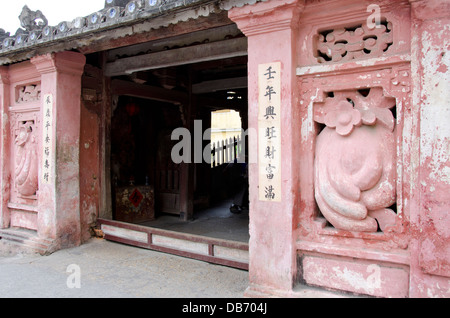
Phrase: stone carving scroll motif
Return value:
(345, 44)
(355, 166)
(26, 163)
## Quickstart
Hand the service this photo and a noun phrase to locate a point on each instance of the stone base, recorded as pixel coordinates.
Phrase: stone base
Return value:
(17, 240)
(300, 291)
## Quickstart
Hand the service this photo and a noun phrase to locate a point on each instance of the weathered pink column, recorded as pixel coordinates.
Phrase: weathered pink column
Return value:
(430, 218)
(4, 150)
(271, 30)
(59, 192)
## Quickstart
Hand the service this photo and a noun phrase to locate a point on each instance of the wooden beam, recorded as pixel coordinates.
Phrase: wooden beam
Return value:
(121, 87)
(220, 85)
(187, 55)
(187, 175)
(123, 36)
(216, 104)
(205, 66)
(182, 40)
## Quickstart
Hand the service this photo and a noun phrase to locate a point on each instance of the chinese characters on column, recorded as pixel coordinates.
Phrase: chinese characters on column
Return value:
(47, 140)
(269, 128)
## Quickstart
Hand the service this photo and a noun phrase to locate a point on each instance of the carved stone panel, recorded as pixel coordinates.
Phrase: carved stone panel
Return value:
(26, 158)
(28, 93)
(345, 44)
(355, 160)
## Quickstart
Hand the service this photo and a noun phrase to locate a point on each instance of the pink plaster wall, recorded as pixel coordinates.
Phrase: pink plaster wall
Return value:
(17, 209)
(430, 219)
(4, 150)
(60, 201)
(270, 38)
(291, 243)
(54, 210)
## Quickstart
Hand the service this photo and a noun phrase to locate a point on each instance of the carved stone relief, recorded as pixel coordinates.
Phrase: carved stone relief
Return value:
(355, 160)
(29, 93)
(26, 159)
(345, 44)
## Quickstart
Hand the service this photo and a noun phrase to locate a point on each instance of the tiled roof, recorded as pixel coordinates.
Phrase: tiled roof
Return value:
(115, 14)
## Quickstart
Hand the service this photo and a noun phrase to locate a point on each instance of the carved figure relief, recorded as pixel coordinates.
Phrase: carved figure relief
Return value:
(26, 163)
(345, 44)
(355, 168)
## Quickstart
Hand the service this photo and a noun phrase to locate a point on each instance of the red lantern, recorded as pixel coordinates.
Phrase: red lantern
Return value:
(132, 109)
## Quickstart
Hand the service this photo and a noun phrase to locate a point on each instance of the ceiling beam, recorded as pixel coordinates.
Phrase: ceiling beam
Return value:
(150, 30)
(186, 55)
(220, 85)
(216, 104)
(183, 40)
(121, 87)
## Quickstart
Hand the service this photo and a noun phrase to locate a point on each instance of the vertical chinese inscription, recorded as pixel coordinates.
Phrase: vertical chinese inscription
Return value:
(47, 141)
(269, 131)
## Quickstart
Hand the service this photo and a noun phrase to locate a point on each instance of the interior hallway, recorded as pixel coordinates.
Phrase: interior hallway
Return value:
(216, 221)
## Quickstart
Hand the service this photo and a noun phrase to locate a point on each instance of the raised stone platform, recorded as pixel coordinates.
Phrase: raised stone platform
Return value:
(15, 240)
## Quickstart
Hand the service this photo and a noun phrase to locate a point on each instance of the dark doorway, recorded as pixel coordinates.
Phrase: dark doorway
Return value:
(153, 101)
(140, 158)
(141, 145)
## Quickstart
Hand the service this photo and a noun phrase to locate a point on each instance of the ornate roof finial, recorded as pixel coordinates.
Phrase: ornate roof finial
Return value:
(32, 20)
(3, 34)
(114, 3)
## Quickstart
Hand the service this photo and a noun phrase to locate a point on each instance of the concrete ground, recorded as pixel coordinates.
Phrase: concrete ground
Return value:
(104, 269)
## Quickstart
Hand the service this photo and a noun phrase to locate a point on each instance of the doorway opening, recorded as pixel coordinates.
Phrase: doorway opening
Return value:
(147, 187)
